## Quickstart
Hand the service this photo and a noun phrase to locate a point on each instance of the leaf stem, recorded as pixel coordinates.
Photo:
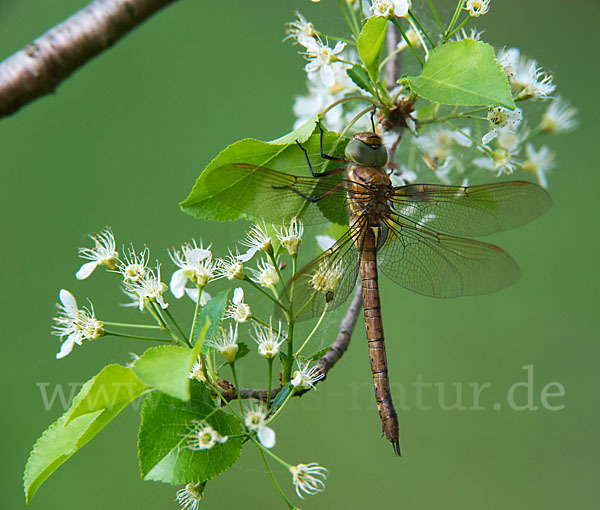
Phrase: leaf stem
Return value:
(136, 337)
(287, 399)
(407, 40)
(317, 325)
(423, 31)
(237, 386)
(193, 329)
(283, 496)
(349, 98)
(437, 18)
(351, 22)
(454, 19)
(125, 325)
(464, 22)
(269, 381)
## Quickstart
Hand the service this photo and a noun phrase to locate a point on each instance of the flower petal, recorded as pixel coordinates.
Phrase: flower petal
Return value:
(266, 436)
(66, 347)
(238, 296)
(177, 284)
(248, 255)
(86, 270)
(192, 294)
(68, 301)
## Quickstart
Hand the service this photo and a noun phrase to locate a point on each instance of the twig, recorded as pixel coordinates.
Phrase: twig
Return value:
(43, 64)
(325, 364)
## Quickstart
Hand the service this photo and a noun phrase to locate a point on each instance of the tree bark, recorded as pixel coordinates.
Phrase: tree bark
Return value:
(43, 64)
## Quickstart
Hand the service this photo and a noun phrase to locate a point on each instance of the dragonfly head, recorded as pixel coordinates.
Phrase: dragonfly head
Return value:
(366, 149)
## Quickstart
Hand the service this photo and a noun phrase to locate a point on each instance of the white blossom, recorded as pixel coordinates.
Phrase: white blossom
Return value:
(102, 254)
(201, 436)
(230, 267)
(501, 161)
(257, 239)
(291, 237)
(255, 419)
(189, 497)
(477, 8)
(238, 310)
(265, 275)
(322, 60)
(148, 288)
(301, 30)
(307, 376)
(327, 277)
(308, 478)
(502, 118)
(528, 79)
(225, 343)
(197, 372)
(539, 163)
(74, 325)
(133, 266)
(389, 8)
(195, 265)
(268, 340)
(559, 117)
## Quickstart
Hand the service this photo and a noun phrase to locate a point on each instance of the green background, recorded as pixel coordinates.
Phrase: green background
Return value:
(122, 141)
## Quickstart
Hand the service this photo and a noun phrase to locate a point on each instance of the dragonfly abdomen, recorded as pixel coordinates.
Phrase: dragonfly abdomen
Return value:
(375, 339)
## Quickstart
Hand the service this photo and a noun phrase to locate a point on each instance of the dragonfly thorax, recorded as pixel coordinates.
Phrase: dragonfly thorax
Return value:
(369, 193)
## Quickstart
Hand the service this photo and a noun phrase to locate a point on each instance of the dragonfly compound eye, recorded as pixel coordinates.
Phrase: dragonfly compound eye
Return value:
(361, 153)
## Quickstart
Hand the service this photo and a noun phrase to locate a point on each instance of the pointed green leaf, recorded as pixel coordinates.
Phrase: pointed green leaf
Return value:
(282, 396)
(316, 356)
(167, 368)
(162, 450)
(370, 44)
(113, 388)
(300, 134)
(242, 351)
(464, 73)
(361, 78)
(97, 403)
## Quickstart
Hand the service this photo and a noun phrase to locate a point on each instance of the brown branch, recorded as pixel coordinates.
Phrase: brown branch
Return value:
(43, 64)
(325, 364)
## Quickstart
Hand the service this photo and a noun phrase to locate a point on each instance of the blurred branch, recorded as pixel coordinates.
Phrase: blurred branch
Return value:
(43, 64)
(325, 364)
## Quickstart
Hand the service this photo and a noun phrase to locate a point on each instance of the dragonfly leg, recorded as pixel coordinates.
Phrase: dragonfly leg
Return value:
(323, 155)
(321, 174)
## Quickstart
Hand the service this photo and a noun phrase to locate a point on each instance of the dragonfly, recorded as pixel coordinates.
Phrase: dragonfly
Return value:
(418, 235)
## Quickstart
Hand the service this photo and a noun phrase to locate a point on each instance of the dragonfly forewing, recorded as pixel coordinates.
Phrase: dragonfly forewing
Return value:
(471, 210)
(276, 197)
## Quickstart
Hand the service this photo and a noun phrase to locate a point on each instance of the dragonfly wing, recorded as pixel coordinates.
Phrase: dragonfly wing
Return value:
(327, 280)
(275, 196)
(441, 265)
(471, 210)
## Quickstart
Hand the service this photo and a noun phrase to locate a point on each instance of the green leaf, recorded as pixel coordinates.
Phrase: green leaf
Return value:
(162, 448)
(464, 73)
(370, 44)
(113, 388)
(242, 351)
(224, 192)
(97, 403)
(167, 368)
(281, 397)
(316, 356)
(360, 77)
(300, 134)
(212, 311)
